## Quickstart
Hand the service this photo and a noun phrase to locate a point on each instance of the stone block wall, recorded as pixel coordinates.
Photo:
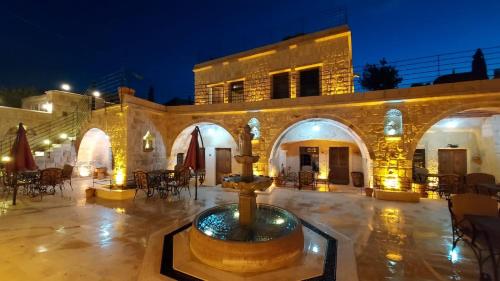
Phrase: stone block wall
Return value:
(329, 50)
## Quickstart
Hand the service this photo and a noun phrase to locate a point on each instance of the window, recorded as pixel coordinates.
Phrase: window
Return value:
(216, 94)
(254, 128)
(180, 158)
(393, 124)
(309, 82)
(148, 142)
(281, 85)
(236, 92)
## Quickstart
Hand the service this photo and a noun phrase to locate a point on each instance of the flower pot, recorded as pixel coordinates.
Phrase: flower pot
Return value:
(368, 191)
(89, 192)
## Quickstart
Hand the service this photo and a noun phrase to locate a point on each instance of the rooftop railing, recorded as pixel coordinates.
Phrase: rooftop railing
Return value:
(414, 72)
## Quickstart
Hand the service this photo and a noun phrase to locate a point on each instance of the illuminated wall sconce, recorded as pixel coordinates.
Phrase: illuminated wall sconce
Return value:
(393, 125)
(148, 142)
(254, 125)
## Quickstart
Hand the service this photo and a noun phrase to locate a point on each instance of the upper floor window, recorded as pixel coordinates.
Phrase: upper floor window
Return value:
(309, 82)
(236, 92)
(216, 94)
(281, 85)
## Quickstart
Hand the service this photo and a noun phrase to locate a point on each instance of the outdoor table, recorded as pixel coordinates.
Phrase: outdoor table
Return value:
(489, 227)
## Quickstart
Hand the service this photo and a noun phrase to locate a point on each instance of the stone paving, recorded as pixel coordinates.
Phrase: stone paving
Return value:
(71, 238)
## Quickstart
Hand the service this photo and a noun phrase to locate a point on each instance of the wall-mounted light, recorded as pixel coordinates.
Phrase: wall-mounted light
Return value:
(96, 94)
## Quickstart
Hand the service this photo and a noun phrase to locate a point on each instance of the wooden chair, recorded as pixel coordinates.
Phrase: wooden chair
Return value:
(67, 173)
(473, 180)
(306, 179)
(142, 183)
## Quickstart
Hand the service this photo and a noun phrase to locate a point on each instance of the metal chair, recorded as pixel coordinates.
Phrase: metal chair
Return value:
(473, 180)
(50, 178)
(67, 173)
(306, 179)
(142, 182)
(449, 184)
(182, 179)
(460, 205)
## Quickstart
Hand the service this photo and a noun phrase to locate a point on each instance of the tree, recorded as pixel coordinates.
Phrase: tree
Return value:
(151, 94)
(12, 97)
(380, 77)
(479, 68)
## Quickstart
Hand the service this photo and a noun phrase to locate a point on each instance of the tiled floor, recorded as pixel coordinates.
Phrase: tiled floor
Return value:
(71, 238)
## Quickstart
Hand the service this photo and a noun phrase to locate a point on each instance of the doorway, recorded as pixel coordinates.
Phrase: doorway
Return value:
(309, 158)
(339, 165)
(452, 161)
(222, 163)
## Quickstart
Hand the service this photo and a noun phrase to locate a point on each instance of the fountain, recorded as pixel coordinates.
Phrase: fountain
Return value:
(247, 237)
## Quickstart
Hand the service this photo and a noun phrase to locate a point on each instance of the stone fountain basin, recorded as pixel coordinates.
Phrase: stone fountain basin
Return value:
(276, 241)
(259, 183)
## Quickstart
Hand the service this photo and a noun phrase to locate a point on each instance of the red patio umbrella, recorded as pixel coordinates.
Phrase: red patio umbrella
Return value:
(21, 157)
(195, 157)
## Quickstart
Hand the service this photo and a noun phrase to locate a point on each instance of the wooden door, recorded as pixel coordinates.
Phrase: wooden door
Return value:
(222, 163)
(339, 165)
(452, 161)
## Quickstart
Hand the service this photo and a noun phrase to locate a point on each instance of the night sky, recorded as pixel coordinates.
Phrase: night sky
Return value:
(44, 43)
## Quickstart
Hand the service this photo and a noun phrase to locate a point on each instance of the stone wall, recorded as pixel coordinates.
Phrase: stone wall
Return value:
(12, 116)
(329, 50)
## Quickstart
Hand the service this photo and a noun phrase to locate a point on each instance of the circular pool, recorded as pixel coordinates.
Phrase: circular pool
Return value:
(274, 240)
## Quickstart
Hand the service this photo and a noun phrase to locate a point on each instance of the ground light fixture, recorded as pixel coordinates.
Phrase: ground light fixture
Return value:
(65, 87)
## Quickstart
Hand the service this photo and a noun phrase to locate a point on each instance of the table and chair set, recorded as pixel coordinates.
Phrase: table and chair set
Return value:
(164, 183)
(38, 182)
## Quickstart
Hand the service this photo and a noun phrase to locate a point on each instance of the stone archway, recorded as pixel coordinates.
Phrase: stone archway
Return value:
(214, 136)
(94, 152)
(322, 132)
(473, 129)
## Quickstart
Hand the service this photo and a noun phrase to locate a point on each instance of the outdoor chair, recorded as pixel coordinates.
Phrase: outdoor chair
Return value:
(201, 177)
(50, 178)
(67, 173)
(142, 183)
(182, 179)
(449, 184)
(473, 180)
(464, 204)
(306, 179)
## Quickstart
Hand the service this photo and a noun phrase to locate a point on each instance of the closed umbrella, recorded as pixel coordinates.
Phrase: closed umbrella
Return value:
(22, 159)
(195, 157)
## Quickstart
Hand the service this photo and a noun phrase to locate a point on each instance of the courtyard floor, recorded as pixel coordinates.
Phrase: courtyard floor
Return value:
(73, 238)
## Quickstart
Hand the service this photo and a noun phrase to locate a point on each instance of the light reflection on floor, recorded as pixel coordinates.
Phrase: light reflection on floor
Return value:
(71, 238)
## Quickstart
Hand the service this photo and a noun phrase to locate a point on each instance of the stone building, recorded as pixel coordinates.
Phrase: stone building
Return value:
(298, 97)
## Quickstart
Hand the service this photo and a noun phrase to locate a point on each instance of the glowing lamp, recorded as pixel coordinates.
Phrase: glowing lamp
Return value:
(120, 177)
(84, 171)
(6, 158)
(39, 153)
(48, 106)
(63, 136)
(65, 87)
(96, 94)
(46, 141)
(316, 128)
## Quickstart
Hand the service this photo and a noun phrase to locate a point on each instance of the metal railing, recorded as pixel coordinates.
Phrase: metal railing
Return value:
(414, 72)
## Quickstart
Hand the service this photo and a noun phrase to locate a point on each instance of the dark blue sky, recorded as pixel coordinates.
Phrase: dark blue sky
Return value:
(46, 42)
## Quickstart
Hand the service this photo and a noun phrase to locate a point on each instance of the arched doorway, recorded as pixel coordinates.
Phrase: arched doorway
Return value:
(220, 149)
(94, 152)
(464, 142)
(321, 145)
